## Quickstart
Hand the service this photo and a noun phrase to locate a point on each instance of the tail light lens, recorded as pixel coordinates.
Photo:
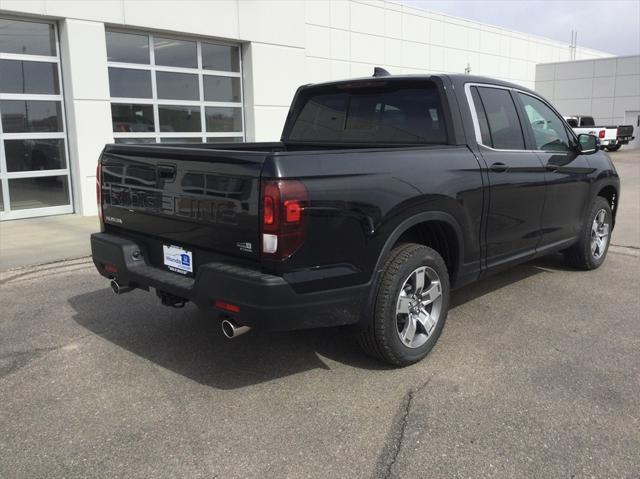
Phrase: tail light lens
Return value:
(283, 221)
(601, 134)
(99, 192)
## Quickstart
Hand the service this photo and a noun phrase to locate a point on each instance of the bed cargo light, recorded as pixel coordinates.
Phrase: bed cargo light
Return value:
(283, 225)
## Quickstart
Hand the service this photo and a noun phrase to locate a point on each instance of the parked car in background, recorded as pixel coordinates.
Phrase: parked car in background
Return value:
(610, 137)
(383, 194)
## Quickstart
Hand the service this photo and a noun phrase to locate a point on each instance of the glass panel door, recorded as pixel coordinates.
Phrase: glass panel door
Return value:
(34, 165)
(171, 90)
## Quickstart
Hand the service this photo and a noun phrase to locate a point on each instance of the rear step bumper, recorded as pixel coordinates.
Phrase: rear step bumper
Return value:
(265, 301)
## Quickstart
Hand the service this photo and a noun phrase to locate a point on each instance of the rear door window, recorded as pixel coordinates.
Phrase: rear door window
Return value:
(395, 112)
(502, 119)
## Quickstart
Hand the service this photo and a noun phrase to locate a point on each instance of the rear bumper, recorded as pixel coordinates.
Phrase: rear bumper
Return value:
(265, 301)
(624, 140)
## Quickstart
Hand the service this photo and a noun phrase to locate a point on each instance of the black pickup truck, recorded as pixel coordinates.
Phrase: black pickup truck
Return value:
(383, 195)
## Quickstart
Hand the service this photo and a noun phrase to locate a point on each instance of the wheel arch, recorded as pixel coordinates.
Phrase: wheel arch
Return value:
(411, 226)
(611, 193)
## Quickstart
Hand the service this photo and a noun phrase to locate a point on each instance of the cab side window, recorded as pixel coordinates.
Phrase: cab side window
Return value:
(501, 117)
(549, 133)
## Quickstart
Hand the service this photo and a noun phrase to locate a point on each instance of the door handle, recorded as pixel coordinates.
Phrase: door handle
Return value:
(498, 167)
(551, 167)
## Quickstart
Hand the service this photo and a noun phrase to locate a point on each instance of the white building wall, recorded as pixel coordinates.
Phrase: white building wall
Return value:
(285, 43)
(347, 39)
(607, 89)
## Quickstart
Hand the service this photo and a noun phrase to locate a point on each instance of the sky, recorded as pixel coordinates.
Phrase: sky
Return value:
(612, 26)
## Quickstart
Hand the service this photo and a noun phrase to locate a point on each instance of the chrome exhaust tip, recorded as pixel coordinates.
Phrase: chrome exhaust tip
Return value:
(232, 330)
(117, 288)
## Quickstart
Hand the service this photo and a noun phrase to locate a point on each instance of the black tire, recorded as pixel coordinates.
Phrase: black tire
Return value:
(580, 255)
(613, 148)
(380, 338)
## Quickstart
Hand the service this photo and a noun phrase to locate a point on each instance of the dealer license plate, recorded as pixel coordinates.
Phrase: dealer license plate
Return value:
(178, 259)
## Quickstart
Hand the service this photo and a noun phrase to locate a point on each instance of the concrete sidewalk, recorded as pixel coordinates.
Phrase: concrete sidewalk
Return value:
(43, 240)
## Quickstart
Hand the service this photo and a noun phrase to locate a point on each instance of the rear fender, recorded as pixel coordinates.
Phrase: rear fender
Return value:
(404, 226)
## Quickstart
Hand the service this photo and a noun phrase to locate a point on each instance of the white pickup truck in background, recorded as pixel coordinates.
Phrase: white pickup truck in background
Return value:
(610, 137)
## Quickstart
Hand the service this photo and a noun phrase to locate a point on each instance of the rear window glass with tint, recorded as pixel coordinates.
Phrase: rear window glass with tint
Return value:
(587, 121)
(392, 112)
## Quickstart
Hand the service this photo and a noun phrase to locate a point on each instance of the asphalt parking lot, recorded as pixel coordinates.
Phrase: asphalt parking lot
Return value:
(537, 374)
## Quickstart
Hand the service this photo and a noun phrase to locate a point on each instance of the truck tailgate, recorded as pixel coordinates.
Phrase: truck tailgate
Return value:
(192, 198)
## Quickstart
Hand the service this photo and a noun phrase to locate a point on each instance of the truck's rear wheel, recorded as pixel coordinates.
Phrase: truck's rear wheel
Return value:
(591, 249)
(411, 306)
(613, 147)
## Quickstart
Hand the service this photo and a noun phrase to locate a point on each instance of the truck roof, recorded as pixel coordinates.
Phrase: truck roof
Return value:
(458, 80)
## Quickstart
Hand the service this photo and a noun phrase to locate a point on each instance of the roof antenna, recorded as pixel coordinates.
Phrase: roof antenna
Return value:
(380, 72)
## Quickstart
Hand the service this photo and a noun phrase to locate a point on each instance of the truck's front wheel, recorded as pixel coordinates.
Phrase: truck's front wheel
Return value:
(411, 306)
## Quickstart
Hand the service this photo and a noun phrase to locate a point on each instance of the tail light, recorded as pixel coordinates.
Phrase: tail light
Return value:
(99, 192)
(283, 222)
(601, 134)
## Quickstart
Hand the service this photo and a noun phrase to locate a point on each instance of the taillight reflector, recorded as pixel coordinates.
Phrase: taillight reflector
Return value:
(227, 306)
(109, 268)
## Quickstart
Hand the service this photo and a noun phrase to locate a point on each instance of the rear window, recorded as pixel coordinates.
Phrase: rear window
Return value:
(395, 112)
(587, 121)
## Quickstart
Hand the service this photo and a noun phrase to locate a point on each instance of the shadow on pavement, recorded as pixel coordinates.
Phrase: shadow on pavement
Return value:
(190, 344)
(497, 281)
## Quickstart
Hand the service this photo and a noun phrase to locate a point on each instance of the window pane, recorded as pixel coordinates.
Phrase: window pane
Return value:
(127, 47)
(29, 77)
(177, 86)
(225, 139)
(1, 199)
(30, 155)
(548, 130)
(128, 83)
(133, 141)
(179, 118)
(132, 118)
(220, 57)
(39, 192)
(223, 118)
(30, 116)
(181, 140)
(587, 121)
(482, 118)
(28, 38)
(175, 53)
(409, 112)
(221, 88)
(502, 118)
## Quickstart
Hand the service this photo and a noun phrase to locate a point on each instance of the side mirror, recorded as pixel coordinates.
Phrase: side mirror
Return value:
(587, 144)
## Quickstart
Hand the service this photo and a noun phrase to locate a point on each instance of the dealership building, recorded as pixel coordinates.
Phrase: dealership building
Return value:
(77, 75)
(608, 89)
